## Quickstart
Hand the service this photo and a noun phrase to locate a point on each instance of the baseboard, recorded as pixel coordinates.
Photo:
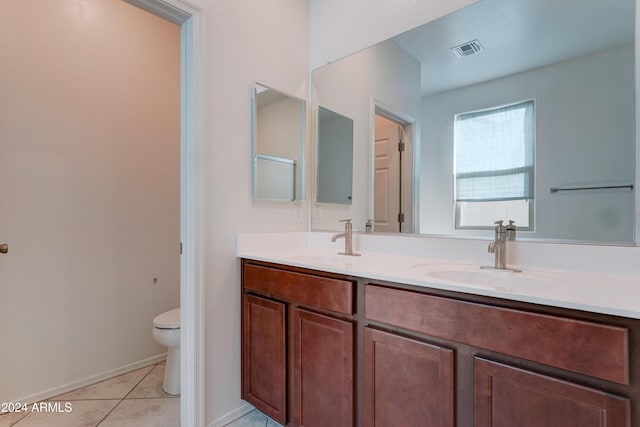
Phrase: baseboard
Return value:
(47, 394)
(229, 417)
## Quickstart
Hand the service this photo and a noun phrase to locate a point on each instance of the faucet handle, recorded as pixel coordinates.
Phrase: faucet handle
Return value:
(511, 230)
(368, 226)
(347, 225)
(499, 230)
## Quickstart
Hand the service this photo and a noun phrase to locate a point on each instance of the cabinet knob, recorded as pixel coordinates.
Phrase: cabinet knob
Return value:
(4, 248)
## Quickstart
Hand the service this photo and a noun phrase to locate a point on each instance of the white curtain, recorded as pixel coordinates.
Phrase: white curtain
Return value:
(494, 153)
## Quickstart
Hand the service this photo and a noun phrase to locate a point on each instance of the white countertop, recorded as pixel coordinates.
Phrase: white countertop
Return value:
(615, 294)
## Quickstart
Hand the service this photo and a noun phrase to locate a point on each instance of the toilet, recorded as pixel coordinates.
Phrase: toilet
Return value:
(166, 331)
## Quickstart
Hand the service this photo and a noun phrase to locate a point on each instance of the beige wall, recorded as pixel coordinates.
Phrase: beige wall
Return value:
(89, 188)
(244, 42)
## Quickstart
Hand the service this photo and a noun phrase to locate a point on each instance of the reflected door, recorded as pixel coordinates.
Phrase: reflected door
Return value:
(387, 183)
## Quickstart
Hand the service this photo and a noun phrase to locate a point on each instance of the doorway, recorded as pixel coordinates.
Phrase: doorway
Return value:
(190, 275)
(192, 370)
(393, 173)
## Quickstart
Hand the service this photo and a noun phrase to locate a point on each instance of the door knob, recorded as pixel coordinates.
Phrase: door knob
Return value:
(4, 248)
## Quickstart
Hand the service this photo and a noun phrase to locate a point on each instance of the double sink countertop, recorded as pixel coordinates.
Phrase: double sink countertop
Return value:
(452, 264)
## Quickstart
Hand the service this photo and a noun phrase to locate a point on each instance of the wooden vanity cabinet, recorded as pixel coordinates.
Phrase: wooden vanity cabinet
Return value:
(407, 382)
(315, 355)
(298, 346)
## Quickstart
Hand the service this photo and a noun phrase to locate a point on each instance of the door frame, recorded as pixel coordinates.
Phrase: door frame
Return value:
(190, 20)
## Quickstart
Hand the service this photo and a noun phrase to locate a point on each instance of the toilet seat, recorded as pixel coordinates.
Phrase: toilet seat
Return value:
(168, 320)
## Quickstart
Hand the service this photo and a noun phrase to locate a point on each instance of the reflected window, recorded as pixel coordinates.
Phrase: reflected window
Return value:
(494, 166)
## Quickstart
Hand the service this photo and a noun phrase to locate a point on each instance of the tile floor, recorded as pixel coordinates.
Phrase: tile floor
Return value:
(254, 418)
(134, 399)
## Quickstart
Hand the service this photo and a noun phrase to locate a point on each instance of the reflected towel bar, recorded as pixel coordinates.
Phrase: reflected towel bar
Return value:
(602, 187)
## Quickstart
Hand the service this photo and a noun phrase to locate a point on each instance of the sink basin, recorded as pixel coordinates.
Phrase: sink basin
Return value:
(473, 275)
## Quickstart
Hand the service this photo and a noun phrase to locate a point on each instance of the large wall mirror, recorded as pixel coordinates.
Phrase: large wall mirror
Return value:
(278, 145)
(506, 109)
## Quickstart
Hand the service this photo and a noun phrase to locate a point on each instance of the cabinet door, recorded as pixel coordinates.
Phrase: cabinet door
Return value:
(264, 369)
(506, 396)
(323, 370)
(407, 382)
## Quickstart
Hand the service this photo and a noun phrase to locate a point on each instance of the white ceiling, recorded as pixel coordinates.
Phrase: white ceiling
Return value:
(517, 35)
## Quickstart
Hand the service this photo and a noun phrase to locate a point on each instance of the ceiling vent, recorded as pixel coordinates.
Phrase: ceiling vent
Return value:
(468, 48)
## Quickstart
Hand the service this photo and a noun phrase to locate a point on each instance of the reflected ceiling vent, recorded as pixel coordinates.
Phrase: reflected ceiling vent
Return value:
(468, 48)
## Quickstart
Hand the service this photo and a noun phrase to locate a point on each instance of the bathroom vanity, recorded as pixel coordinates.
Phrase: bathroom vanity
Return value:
(414, 332)
(322, 348)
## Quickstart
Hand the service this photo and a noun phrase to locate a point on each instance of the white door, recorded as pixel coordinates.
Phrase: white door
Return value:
(387, 185)
(393, 175)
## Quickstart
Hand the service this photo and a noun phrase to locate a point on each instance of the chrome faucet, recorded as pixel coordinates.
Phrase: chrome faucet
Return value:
(348, 238)
(499, 246)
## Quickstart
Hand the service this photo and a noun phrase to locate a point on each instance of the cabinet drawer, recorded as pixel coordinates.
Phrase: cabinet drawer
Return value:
(323, 292)
(594, 349)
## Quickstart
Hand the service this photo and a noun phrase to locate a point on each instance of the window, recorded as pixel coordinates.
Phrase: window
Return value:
(494, 166)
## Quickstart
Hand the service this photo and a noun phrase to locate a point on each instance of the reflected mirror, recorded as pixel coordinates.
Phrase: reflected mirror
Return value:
(565, 68)
(334, 150)
(278, 141)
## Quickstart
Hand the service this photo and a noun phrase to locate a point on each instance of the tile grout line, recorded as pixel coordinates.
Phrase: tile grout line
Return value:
(141, 379)
(119, 400)
(109, 413)
(55, 398)
(25, 416)
(125, 396)
(82, 400)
